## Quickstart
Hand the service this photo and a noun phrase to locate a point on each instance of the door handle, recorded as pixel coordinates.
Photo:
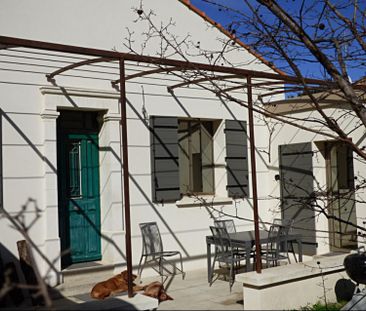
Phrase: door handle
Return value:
(76, 209)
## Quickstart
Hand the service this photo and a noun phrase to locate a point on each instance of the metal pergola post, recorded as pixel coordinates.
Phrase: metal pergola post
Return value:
(258, 260)
(124, 159)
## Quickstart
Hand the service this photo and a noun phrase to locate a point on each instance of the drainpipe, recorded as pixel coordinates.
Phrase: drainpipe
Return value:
(258, 260)
(126, 187)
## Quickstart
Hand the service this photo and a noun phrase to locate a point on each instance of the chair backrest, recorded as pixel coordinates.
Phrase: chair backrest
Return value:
(227, 223)
(275, 238)
(286, 223)
(151, 239)
(222, 240)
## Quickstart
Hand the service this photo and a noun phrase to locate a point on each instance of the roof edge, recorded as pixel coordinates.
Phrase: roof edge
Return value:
(202, 14)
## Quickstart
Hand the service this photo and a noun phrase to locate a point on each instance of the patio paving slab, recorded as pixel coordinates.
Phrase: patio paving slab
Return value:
(194, 293)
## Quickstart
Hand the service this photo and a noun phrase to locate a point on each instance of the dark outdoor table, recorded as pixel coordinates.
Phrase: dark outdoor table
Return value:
(246, 240)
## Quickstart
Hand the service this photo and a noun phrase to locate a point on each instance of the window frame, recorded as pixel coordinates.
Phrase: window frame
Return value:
(200, 123)
(164, 156)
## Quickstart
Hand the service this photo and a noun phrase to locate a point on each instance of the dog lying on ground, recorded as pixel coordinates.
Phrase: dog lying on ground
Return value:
(156, 290)
(114, 285)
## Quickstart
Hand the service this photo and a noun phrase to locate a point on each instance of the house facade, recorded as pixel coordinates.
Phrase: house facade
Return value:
(188, 148)
(320, 171)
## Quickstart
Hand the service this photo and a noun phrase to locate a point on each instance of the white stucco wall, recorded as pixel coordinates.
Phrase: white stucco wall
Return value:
(30, 104)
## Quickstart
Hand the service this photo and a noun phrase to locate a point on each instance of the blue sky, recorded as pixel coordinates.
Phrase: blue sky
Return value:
(309, 69)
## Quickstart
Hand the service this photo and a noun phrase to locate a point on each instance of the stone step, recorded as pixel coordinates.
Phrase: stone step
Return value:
(80, 278)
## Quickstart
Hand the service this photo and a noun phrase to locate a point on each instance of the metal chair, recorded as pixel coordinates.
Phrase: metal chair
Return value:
(274, 247)
(153, 252)
(224, 253)
(230, 228)
(287, 224)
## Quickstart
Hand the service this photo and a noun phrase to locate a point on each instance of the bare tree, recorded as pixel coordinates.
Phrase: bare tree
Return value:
(306, 39)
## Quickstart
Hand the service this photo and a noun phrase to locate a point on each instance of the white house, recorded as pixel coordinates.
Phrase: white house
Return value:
(51, 128)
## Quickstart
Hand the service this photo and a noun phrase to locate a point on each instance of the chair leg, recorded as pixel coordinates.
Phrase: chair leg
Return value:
(140, 268)
(181, 266)
(212, 270)
(161, 266)
(293, 251)
(231, 276)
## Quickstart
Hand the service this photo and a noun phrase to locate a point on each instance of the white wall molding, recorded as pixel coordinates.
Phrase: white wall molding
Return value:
(56, 99)
(54, 90)
(49, 114)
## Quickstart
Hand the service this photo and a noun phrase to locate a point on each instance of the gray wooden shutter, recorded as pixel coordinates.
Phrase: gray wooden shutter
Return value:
(164, 159)
(236, 158)
(297, 191)
(1, 162)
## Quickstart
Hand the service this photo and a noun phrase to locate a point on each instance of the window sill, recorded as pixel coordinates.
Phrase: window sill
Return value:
(202, 200)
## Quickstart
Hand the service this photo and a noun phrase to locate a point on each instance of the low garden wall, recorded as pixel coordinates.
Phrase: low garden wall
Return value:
(292, 286)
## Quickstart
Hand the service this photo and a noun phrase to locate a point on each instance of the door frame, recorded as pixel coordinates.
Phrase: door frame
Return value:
(63, 135)
(336, 236)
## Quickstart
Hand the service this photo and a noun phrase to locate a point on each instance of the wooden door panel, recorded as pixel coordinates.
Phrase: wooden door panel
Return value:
(81, 197)
(77, 233)
(296, 171)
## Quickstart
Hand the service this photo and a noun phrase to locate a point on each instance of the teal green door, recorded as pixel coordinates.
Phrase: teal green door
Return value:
(80, 198)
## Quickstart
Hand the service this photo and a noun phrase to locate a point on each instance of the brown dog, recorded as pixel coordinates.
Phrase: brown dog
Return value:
(156, 290)
(116, 284)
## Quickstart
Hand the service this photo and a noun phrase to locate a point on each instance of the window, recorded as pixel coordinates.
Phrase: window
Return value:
(74, 186)
(196, 167)
(182, 157)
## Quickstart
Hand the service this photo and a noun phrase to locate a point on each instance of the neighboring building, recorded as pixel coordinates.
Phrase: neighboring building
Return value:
(50, 130)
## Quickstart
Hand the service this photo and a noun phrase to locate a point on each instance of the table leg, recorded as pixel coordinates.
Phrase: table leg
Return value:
(248, 247)
(209, 262)
(299, 244)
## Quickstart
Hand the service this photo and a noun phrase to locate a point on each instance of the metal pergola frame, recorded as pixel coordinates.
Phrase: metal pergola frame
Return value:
(165, 66)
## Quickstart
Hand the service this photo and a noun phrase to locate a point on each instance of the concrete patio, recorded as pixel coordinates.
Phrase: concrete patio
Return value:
(192, 293)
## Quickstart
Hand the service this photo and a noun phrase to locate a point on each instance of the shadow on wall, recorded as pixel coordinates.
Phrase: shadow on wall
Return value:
(144, 194)
(21, 284)
(4, 116)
